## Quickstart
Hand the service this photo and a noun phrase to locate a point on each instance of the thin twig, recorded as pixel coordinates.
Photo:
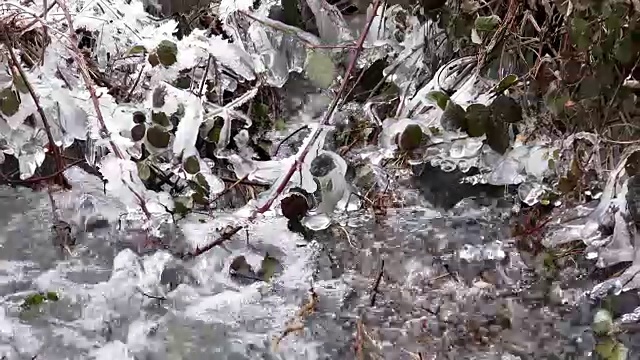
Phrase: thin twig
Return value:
(287, 138)
(219, 241)
(376, 285)
(135, 84)
(239, 181)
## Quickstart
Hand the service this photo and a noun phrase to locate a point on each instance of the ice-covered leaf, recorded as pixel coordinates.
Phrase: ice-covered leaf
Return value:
(507, 82)
(153, 59)
(161, 119)
(609, 348)
(240, 267)
(410, 138)
(158, 96)
(191, 165)
(9, 102)
(183, 204)
(139, 117)
(294, 206)
(158, 137)
(440, 98)
(138, 49)
(138, 131)
(602, 322)
(167, 52)
(20, 84)
(269, 267)
(321, 165)
(320, 68)
(144, 171)
(487, 23)
(453, 117)
(497, 135)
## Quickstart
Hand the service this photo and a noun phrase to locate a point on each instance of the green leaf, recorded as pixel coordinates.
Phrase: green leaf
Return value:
(167, 52)
(161, 119)
(507, 82)
(410, 138)
(52, 296)
(20, 83)
(602, 322)
(9, 102)
(477, 117)
(439, 98)
(144, 171)
(182, 205)
(202, 181)
(580, 33)
(158, 137)
(33, 300)
(269, 267)
(624, 50)
(153, 59)
(199, 198)
(191, 165)
(497, 135)
(487, 23)
(138, 131)
(280, 125)
(320, 68)
(506, 109)
(453, 117)
(138, 49)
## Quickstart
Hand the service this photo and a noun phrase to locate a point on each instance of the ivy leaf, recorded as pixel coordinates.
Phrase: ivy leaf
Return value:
(9, 102)
(487, 23)
(269, 267)
(52, 296)
(240, 267)
(580, 33)
(144, 171)
(439, 98)
(497, 135)
(153, 59)
(167, 52)
(138, 49)
(506, 109)
(202, 181)
(320, 68)
(20, 84)
(191, 165)
(137, 132)
(158, 137)
(453, 117)
(161, 119)
(139, 117)
(410, 138)
(507, 82)
(624, 50)
(182, 205)
(477, 117)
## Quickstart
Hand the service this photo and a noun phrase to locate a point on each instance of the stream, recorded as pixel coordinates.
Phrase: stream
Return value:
(453, 286)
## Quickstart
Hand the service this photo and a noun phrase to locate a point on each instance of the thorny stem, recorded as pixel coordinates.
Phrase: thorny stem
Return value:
(84, 71)
(327, 117)
(54, 148)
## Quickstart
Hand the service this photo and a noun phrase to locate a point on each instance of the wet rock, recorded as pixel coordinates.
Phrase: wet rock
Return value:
(174, 275)
(444, 190)
(633, 199)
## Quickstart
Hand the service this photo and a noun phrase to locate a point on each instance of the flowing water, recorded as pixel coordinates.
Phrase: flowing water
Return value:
(452, 287)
